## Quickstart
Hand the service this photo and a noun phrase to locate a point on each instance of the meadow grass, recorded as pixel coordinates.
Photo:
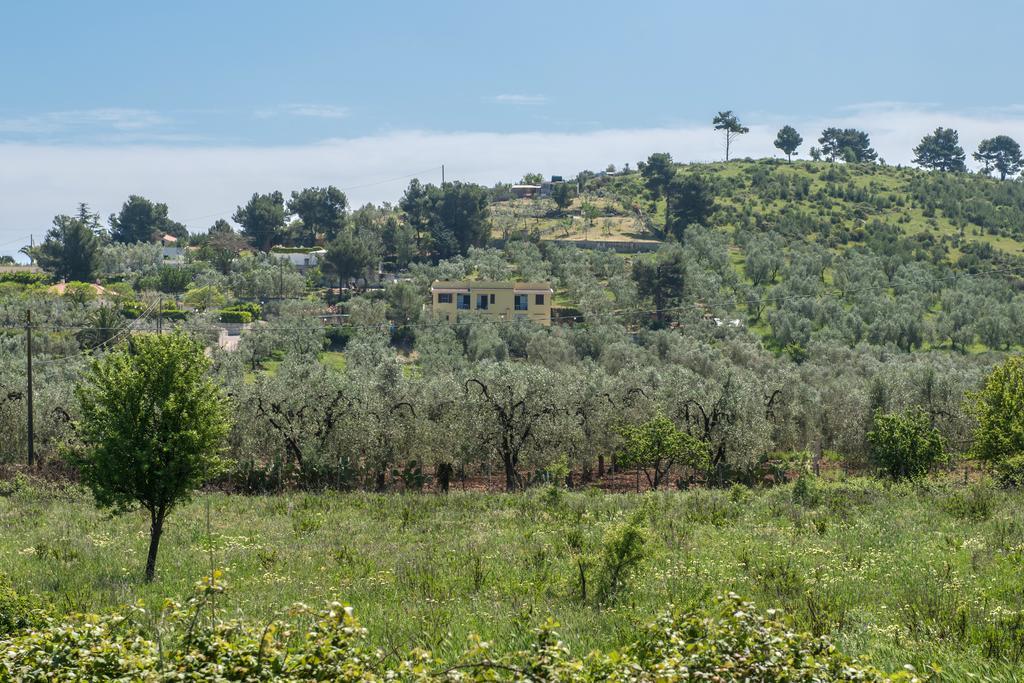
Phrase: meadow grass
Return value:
(920, 574)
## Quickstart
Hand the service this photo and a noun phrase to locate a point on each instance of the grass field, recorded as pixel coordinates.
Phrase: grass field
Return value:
(905, 574)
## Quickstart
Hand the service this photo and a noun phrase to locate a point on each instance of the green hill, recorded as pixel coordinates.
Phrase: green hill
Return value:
(818, 251)
(820, 201)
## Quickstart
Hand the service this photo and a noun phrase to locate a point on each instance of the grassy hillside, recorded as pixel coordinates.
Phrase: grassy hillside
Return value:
(953, 208)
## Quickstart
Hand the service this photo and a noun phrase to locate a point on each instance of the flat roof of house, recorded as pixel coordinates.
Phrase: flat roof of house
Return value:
(488, 284)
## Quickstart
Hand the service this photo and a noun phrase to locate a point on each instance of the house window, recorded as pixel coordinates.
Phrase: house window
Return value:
(481, 302)
(444, 298)
(462, 302)
(522, 302)
(539, 300)
(492, 298)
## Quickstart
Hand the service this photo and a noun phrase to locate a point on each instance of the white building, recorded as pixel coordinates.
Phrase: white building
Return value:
(302, 260)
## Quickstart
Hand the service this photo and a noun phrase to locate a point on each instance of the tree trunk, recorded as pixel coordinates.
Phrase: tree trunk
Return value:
(511, 476)
(600, 466)
(444, 476)
(156, 529)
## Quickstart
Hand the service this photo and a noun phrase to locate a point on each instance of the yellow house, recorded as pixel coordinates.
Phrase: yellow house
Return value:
(496, 300)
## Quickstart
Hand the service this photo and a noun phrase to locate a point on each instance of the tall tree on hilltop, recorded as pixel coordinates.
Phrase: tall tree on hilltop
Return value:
(788, 140)
(323, 210)
(262, 219)
(141, 220)
(730, 126)
(849, 144)
(689, 201)
(941, 151)
(1001, 153)
(657, 173)
(70, 250)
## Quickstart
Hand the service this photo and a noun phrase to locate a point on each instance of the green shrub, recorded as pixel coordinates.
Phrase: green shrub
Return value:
(251, 307)
(17, 612)
(623, 549)
(977, 502)
(904, 445)
(132, 309)
(805, 491)
(26, 278)
(227, 316)
(732, 641)
(173, 314)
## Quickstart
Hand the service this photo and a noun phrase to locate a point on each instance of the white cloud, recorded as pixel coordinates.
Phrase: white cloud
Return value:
(517, 99)
(319, 111)
(201, 183)
(110, 118)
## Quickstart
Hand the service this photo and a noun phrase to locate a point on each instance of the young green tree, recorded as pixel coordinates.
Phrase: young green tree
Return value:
(730, 126)
(70, 250)
(657, 445)
(999, 410)
(152, 425)
(941, 151)
(1001, 153)
(262, 219)
(904, 445)
(788, 140)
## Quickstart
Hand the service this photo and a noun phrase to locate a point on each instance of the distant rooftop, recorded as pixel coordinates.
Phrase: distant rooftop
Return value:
(489, 284)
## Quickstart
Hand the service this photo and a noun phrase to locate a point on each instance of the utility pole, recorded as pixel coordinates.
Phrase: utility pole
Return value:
(160, 318)
(442, 174)
(30, 416)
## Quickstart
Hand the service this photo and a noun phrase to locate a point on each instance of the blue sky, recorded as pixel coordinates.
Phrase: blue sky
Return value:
(202, 103)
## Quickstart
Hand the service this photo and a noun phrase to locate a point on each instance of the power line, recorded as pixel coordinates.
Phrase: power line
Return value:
(126, 328)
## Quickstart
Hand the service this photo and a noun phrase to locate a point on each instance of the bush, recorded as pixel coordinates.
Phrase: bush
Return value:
(26, 278)
(250, 306)
(904, 445)
(338, 337)
(132, 309)
(977, 502)
(243, 317)
(999, 409)
(624, 548)
(173, 314)
(16, 611)
(732, 641)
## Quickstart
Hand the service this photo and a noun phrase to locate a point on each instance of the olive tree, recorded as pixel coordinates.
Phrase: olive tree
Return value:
(513, 402)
